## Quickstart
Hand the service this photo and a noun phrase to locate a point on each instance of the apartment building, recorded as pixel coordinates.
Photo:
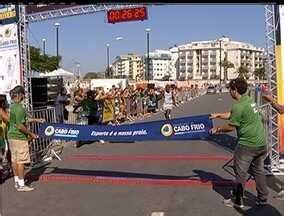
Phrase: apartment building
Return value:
(160, 65)
(128, 66)
(201, 60)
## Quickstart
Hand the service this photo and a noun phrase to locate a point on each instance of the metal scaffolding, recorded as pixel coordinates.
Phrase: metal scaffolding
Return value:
(273, 128)
(76, 10)
(24, 57)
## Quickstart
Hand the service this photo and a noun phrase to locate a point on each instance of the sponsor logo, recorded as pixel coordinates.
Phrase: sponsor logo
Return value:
(7, 32)
(49, 131)
(167, 130)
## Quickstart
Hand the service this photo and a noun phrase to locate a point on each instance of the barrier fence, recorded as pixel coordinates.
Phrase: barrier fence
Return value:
(38, 146)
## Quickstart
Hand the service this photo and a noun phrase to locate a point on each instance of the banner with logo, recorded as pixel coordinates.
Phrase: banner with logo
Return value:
(195, 127)
(9, 58)
(7, 11)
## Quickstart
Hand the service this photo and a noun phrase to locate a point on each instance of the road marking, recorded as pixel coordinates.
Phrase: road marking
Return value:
(190, 157)
(185, 182)
(157, 214)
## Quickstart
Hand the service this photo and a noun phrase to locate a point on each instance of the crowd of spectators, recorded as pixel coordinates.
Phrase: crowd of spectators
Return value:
(118, 105)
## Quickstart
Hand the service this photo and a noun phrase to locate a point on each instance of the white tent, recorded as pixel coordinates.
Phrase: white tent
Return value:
(58, 72)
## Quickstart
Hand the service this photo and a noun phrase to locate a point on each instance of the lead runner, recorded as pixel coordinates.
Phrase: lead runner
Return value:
(169, 101)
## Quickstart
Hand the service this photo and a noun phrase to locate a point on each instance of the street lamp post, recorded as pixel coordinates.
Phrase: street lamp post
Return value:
(220, 43)
(148, 60)
(108, 71)
(107, 49)
(78, 70)
(43, 45)
(57, 41)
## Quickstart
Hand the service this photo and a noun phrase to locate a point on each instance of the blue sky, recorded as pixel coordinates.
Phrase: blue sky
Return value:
(84, 38)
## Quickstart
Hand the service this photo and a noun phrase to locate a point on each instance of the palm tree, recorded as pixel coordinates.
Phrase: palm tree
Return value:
(226, 65)
(243, 72)
(259, 73)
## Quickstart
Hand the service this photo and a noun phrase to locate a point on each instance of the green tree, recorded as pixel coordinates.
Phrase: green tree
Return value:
(259, 73)
(91, 76)
(43, 63)
(243, 72)
(226, 65)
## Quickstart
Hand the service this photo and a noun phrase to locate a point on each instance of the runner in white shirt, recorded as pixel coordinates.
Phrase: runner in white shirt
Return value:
(169, 101)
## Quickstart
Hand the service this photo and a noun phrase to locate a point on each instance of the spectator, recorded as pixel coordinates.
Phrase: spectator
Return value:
(60, 106)
(90, 106)
(18, 136)
(152, 101)
(4, 118)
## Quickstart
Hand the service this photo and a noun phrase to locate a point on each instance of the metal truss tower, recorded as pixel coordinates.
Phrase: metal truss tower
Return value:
(24, 56)
(273, 128)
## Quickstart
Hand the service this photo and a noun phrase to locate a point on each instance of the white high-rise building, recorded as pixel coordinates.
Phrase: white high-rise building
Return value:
(174, 64)
(159, 65)
(201, 60)
(128, 66)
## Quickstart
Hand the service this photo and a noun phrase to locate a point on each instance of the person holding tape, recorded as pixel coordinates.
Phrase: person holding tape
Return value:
(251, 150)
(18, 136)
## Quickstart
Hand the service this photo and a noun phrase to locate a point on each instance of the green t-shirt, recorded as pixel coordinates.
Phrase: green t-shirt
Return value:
(246, 118)
(17, 116)
(90, 106)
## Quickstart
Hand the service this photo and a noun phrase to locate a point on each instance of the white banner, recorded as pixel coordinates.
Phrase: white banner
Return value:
(9, 58)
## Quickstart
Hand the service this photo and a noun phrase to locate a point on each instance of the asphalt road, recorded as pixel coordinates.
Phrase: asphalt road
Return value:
(180, 178)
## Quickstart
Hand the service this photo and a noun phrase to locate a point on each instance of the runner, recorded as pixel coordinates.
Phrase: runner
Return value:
(251, 150)
(169, 101)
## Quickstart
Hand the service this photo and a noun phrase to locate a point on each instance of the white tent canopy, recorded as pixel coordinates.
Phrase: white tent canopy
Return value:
(58, 72)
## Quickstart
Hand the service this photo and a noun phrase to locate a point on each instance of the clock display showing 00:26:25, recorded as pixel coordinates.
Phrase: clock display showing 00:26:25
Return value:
(127, 14)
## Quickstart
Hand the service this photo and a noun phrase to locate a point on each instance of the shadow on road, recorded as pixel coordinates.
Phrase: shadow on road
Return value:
(225, 141)
(225, 192)
(267, 210)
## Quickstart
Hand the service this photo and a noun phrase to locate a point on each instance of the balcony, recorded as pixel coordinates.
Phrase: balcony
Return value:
(189, 77)
(205, 55)
(214, 76)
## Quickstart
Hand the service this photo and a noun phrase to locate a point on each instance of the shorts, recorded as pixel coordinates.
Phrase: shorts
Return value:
(168, 107)
(19, 151)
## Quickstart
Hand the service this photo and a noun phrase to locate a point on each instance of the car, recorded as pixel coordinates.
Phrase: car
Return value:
(211, 90)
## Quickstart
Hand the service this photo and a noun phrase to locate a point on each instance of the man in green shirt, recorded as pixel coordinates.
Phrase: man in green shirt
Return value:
(251, 150)
(18, 136)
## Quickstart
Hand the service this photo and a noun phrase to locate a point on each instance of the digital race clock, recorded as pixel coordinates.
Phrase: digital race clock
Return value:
(128, 14)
